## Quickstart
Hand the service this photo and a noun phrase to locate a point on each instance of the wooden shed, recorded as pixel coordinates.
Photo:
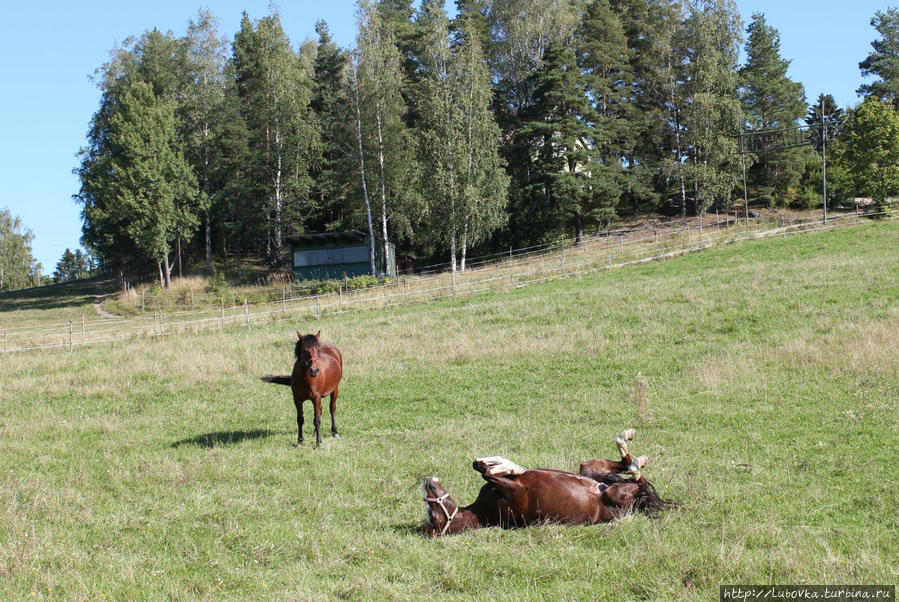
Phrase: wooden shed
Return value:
(336, 255)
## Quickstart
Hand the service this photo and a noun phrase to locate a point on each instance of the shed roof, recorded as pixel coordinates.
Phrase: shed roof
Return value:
(327, 238)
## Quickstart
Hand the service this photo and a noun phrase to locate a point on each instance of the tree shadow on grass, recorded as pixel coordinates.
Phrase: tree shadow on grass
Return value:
(210, 440)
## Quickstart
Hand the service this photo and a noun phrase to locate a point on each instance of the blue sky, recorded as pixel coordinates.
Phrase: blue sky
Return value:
(49, 50)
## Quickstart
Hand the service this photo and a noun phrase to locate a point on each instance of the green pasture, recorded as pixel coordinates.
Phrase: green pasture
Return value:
(762, 378)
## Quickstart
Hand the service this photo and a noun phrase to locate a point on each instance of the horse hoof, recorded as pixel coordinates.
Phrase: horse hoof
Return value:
(335, 435)
(626, 435)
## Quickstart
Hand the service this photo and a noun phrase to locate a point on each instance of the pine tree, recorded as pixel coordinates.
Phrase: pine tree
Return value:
(153, 187)
(275, 93)
(157, 62)
(883, 62)
(329, 106)
(604, 57)
(771, 101)
(824, 119)
(560, 125)
(71, 266)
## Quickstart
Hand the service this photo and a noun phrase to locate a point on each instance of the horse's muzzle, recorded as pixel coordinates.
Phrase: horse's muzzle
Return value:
(313, 372)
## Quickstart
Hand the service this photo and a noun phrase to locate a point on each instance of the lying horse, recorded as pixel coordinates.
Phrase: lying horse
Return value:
(316, 374)
(515, 497)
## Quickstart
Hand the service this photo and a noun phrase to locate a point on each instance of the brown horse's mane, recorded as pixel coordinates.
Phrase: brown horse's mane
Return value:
(646, 500)
(301, 343)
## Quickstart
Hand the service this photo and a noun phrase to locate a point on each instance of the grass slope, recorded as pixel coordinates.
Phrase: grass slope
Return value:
(762, 379)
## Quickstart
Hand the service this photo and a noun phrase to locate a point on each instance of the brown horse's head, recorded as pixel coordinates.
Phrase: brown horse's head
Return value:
(308, 350)
(440, 509)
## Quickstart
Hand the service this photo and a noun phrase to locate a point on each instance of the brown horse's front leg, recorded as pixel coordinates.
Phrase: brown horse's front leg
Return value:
(317, 420)
(299, 405)
(334, 414)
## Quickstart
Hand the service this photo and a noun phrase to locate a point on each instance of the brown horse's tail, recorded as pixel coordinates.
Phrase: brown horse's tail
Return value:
(646, 500)
(277, 380)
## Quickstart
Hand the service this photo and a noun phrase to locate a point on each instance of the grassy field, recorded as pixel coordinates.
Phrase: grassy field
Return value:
(762, 378)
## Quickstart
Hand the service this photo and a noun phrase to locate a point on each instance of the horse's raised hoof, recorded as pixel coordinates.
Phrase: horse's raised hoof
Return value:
(625, 436)
(335, 435)
(635, 466)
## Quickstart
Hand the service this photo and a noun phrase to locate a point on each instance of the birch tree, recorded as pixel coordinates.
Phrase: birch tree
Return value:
(461, 165)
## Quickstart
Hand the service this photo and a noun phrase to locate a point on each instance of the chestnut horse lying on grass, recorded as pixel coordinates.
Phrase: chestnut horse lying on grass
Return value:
(514, 496)
(316, 374)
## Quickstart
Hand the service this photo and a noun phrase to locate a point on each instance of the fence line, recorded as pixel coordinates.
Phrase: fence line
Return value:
(516, 269)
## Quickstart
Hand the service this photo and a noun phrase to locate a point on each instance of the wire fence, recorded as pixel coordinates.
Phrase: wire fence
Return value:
(503, 271)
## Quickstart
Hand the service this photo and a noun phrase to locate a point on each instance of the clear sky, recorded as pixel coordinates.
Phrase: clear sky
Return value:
(49, 50)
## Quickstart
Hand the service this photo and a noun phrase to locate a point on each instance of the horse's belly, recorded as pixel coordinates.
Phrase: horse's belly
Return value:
(568, 499)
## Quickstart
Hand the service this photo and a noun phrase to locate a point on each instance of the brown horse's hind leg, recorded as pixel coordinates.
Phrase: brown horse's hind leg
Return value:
(334, 432)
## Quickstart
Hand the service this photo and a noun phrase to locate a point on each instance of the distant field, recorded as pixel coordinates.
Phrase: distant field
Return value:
(762, 378)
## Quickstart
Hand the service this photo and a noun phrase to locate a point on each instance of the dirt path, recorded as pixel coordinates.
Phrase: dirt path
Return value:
(98, 300)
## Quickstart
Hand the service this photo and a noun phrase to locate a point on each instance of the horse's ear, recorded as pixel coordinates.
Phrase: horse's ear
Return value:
(299, 335)
(318, 334)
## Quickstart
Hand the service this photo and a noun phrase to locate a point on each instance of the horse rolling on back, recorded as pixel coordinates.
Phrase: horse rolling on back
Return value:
(515, 497)
(316, 374)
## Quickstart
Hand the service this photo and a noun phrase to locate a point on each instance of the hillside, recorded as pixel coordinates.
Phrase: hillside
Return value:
(761, 378)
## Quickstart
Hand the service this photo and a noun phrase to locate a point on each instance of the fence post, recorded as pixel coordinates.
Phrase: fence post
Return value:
(223, 310)
(161, 325)
(340, 297)
(83, 339)
(192, 300)
(70, 335)
(283, 301)
(318, 309)
(246, 311)
(385, 297)
(584, 241)
(453, 276)
(562, 260)
(142, 293)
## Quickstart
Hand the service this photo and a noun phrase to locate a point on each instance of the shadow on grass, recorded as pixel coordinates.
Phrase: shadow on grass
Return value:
(416, 529)
(56, 296)
(225, 438)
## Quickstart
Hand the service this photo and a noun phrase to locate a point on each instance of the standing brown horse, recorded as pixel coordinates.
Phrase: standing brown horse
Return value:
(316, 374)
(515, 497)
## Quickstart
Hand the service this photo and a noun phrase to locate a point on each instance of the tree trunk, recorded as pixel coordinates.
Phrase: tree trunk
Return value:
(464, 242)
(178, 250)
(383, 177)
(578, 227)
(365, 198)
(278, 196)
(168, 271)
(239, 260)
(208, 245)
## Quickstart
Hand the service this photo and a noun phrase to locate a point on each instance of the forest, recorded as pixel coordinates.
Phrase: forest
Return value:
(509, 124)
